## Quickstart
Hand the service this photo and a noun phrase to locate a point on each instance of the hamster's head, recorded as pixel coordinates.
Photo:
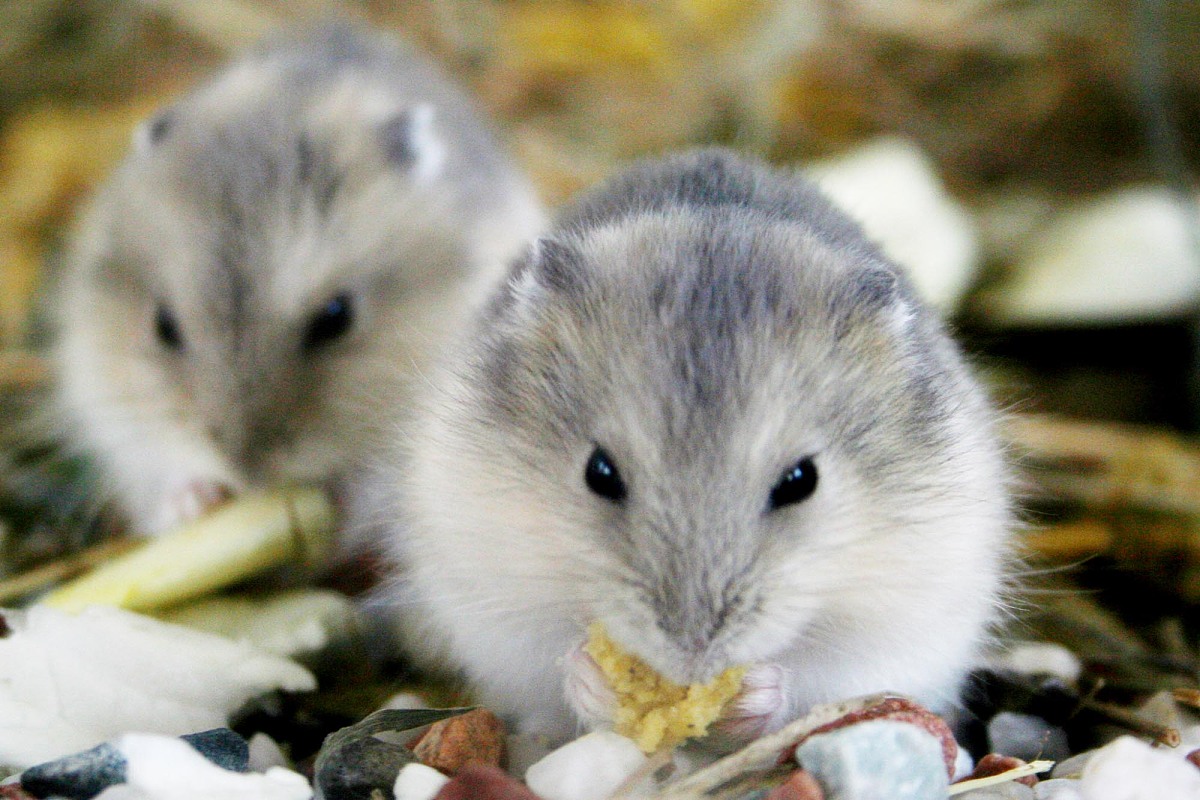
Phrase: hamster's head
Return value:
(726, 438)
(254, 288)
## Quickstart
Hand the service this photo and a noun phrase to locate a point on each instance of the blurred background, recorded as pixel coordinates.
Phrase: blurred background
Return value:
(1032, 161)
(1037, 166)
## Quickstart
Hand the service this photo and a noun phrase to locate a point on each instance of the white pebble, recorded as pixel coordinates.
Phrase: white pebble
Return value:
(167, 768)
(265, 753)
(418, 782)
(1128, 255)
(964, 765)
(879, 758)
(589, 768)
(1038, 658)
(1058, 789)
(1129, 769)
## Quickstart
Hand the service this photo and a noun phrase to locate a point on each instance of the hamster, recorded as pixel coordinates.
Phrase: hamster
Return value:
(705, 411)
(250, 297)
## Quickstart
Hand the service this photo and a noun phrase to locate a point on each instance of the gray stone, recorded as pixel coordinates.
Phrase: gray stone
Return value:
(1058, 789)
(876, 760)
(222, 747)
(1027, 737)
(1001, 791)
(78, 776)
(1072, 767)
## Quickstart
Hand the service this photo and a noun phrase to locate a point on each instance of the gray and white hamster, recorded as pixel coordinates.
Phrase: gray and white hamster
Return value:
(249, 298)
(704, 410)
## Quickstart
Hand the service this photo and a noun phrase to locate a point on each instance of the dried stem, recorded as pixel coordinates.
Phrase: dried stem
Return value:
(63, 568)
(1124, 718)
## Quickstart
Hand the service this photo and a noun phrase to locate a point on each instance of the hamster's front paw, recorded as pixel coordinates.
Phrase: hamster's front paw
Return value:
(587, 690)
(759, 706)
(190, 501)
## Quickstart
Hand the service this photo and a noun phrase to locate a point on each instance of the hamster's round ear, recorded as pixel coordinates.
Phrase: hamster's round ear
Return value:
(410, 141)
(153, 130)
(878, 291)
(878, 286)
(553, 264)
(547, 265)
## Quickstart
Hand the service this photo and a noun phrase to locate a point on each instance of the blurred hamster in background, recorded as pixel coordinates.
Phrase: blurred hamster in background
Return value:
(705, 411)
(248, 299)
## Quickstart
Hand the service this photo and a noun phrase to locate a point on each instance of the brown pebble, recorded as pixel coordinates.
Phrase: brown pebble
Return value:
(800, 785)
(996, 764)
(474, 737)
(1194, 757)
(484, 782)
(13, 791)
(898, 709)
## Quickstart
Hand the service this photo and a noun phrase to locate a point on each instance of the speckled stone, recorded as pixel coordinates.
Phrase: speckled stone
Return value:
(78, 776)
(474, 737)
(800, 785)
(876, 760)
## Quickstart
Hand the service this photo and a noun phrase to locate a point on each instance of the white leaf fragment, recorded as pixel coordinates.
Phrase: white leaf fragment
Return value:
(69, 682)
(165, 768)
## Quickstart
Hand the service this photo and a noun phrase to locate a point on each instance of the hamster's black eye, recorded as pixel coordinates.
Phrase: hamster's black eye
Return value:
(166, 328)
(795, 485)
(602, 477)
(330, 323)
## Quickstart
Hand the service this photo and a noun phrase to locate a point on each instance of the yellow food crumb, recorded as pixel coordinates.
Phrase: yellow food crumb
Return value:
(652, 710)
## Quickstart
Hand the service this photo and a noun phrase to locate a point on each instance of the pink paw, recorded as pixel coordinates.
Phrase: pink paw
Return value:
(587, 690)
(758, 707)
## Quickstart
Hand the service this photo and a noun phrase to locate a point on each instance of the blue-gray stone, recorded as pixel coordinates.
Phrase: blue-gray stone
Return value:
(81, 776)
(222, 747)
(876, 760)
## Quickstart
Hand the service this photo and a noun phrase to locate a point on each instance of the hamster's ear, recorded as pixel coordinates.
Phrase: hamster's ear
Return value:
(547, 265)
(555, 265)
(879, 293)
(410, 141)
(153, 130)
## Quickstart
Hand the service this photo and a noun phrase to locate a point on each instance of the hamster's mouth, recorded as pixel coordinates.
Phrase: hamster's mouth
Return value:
(609, 688)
